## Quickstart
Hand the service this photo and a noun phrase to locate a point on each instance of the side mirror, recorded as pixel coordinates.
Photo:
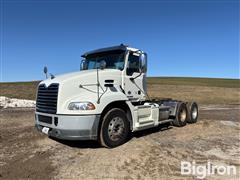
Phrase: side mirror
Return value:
(102, 64)
(143, 62)
(83, 65)
(45, 70)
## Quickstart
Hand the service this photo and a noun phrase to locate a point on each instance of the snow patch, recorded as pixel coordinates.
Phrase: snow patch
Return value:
(6, 102)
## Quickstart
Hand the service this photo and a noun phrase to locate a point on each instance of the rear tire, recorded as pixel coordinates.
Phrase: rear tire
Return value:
(192, 112)
(114, 129)
(181, 115)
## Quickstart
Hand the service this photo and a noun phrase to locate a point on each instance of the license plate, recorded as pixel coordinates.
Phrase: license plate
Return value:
(45, 130)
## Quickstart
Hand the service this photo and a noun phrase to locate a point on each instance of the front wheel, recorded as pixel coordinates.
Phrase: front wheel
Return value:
(114, 129)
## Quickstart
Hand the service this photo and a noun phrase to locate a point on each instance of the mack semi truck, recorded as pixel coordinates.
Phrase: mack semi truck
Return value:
(105, 100)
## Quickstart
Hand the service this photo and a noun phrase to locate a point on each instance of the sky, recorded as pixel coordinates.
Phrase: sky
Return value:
(182, 38)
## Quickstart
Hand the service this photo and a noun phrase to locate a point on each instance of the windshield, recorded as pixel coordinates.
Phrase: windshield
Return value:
(114, 60)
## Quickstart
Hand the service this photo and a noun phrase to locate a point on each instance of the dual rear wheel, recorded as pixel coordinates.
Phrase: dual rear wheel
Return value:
(193, 112)
(186, 113)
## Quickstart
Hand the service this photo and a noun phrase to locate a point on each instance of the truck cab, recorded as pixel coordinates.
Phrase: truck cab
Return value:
(106, 100)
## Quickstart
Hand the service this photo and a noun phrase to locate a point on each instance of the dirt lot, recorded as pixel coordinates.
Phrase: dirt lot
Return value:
(154, 154)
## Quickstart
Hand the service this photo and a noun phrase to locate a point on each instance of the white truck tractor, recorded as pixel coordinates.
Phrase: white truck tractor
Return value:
(106, 100)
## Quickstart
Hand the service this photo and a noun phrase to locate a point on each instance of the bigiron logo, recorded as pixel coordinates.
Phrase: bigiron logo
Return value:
(209, 169)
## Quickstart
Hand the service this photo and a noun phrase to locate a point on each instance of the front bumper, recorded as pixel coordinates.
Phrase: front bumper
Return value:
(69, 127)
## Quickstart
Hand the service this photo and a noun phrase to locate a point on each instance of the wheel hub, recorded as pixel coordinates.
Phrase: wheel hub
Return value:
(194, 113)
(116, 128)
(183, 115)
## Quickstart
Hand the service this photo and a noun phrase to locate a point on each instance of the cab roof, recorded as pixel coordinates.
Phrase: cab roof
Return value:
(112, 48)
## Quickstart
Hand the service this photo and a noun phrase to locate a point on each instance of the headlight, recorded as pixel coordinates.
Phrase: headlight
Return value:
(81, 106)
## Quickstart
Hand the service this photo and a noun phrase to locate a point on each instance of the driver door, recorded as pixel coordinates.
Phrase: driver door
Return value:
(135, 90)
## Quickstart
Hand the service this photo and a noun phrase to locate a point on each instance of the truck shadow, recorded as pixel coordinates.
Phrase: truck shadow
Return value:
(79, 143)
(82, 144)
(142, 133)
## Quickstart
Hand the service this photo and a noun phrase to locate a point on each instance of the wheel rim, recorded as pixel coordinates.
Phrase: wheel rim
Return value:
(183, 115)
(116, 128)
(194, 112)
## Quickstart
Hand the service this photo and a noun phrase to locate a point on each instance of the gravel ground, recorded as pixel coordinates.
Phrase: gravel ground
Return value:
(151, 154)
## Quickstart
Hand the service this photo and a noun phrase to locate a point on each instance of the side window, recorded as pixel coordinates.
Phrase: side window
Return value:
(133, 64)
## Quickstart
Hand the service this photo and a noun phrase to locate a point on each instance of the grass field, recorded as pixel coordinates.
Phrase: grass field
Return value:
(209, 82)
(202, 90)
(22, 90)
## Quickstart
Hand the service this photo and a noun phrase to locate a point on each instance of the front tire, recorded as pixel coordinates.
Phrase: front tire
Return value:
(114, 129)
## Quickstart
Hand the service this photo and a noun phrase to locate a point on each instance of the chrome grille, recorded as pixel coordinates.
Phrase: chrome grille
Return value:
(47, 98)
